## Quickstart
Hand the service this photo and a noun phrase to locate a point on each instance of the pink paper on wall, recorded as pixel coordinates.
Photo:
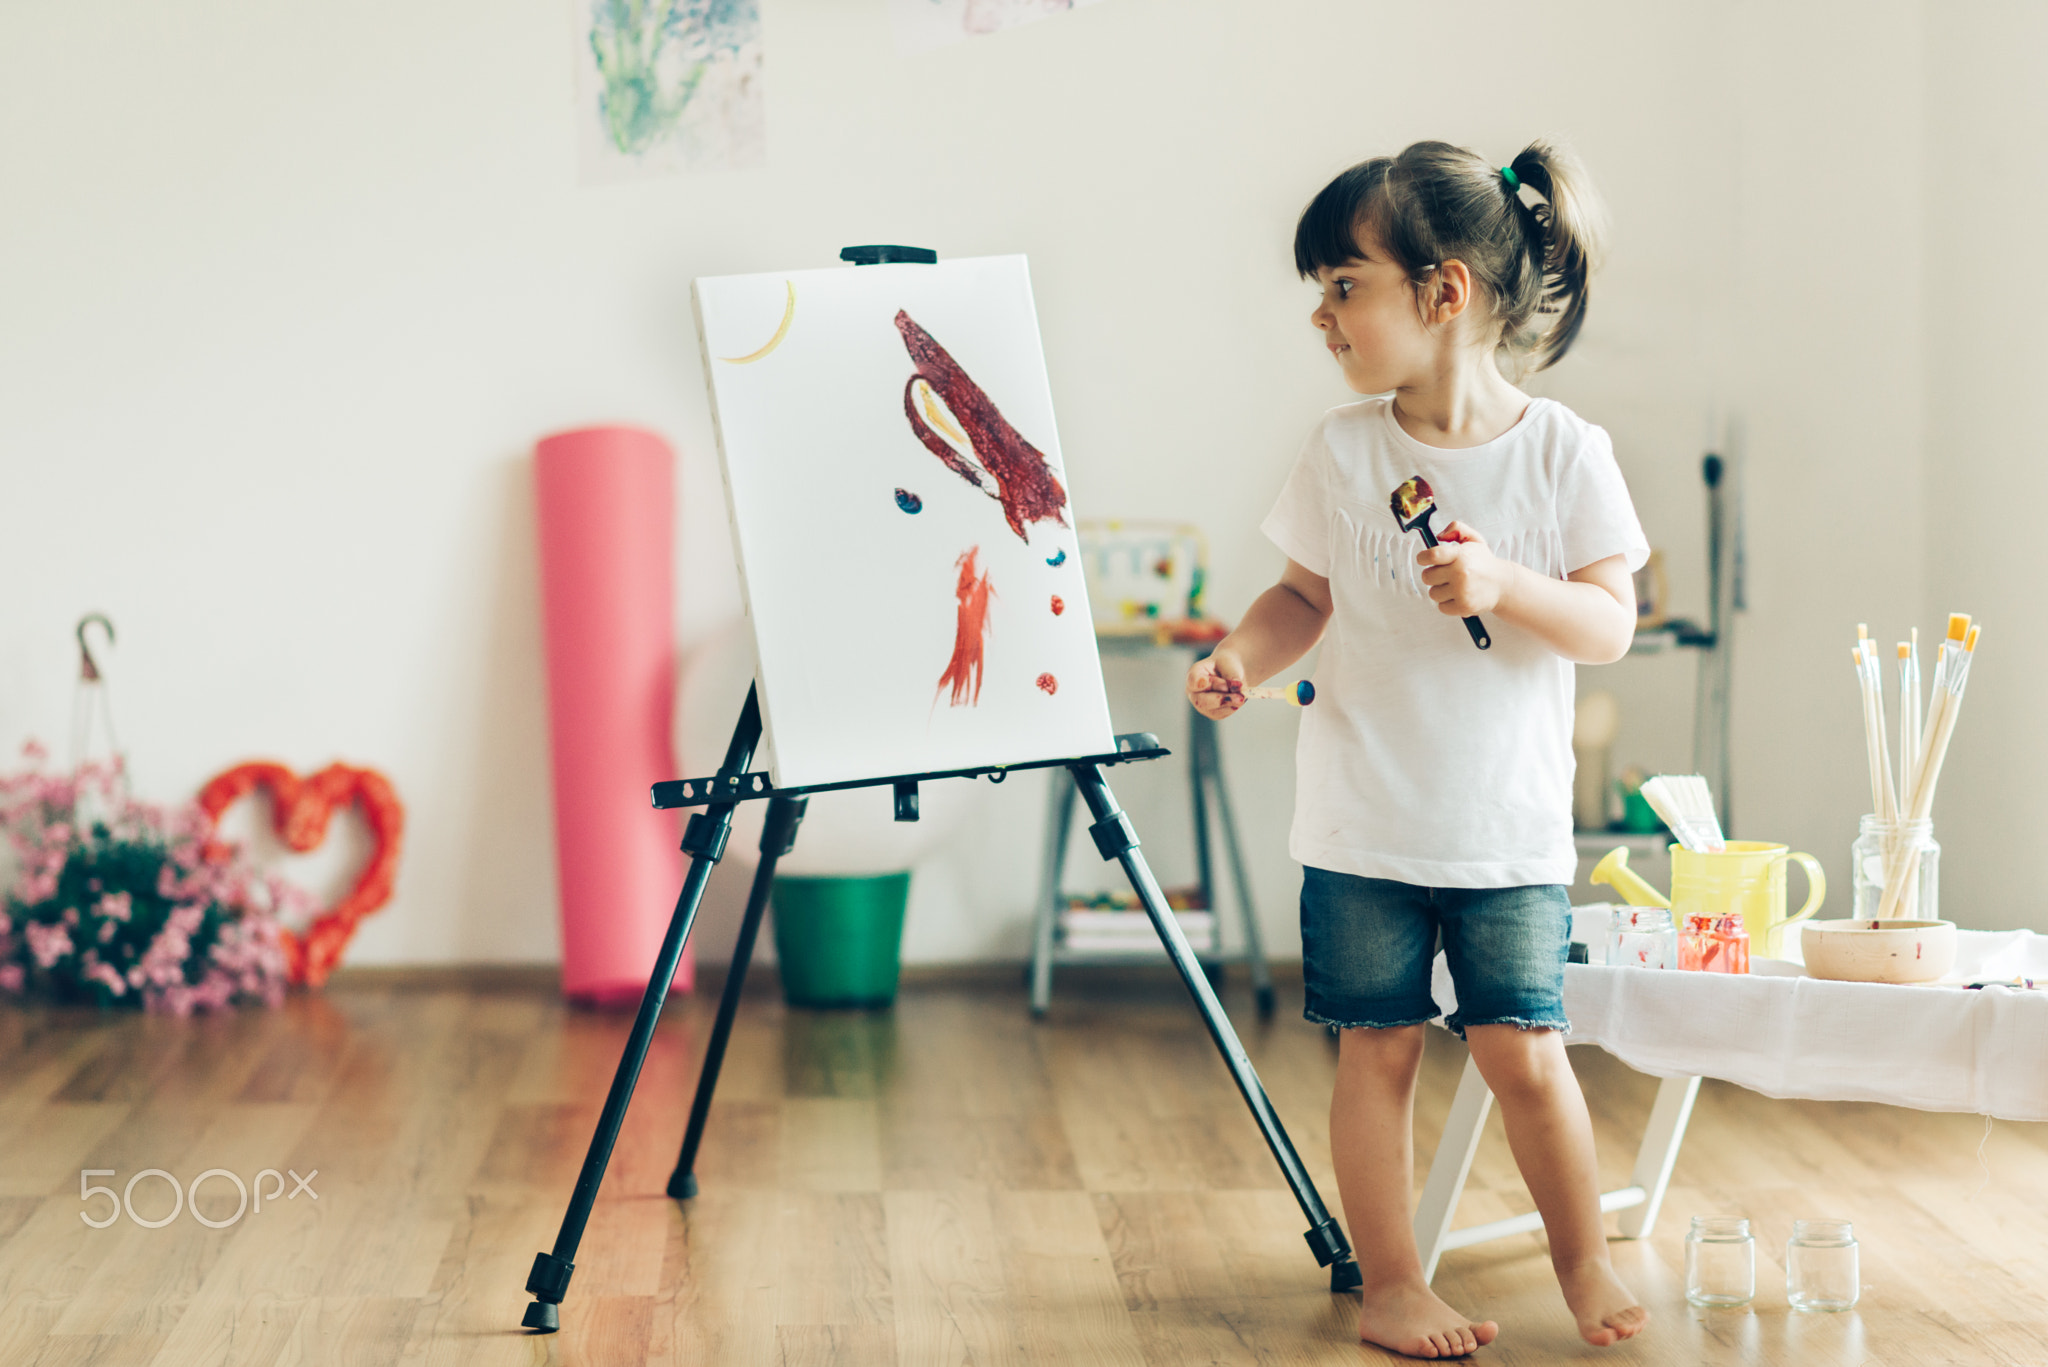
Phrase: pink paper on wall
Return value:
(607, 541)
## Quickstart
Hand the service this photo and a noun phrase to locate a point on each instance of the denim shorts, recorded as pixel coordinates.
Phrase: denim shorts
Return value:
(1367, 945)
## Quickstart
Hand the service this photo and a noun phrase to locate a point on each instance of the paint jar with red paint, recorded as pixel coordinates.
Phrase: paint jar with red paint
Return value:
(1642, 937)
(1714, 944)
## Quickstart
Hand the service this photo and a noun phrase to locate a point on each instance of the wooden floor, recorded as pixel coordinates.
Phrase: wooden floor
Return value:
(946, 1183)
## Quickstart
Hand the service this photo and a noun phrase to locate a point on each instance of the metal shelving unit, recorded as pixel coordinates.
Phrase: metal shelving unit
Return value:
(1713, 641)
(1208, 796)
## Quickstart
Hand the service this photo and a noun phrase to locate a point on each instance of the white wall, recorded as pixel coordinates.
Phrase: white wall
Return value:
(290, 291)
(1987, 300)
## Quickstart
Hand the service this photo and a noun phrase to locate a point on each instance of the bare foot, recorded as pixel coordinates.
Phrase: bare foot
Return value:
(1607, 1313)
(1409, 1318)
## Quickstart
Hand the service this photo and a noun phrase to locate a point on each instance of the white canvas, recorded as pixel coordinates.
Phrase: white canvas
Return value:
(853, 533)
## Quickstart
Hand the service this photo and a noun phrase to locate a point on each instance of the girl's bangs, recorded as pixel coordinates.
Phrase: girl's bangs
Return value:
(1327, 236)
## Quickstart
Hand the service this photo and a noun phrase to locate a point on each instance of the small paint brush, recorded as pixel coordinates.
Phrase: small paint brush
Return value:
(1300, 695)
(1413, 503)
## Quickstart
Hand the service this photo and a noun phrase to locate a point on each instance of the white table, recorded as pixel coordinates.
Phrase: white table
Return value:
(1780, 1033)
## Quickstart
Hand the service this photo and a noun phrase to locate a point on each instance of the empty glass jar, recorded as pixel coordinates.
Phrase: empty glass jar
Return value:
(1821, 1271)
(1875, 839)
(1720, 1261)
(1642, 937)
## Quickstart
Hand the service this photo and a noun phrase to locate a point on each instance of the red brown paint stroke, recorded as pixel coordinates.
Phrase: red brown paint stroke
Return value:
(1024, 482)
(970, 633)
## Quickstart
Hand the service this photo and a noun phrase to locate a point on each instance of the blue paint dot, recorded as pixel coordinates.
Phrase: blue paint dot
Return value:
(909, 502)
(1059, 559)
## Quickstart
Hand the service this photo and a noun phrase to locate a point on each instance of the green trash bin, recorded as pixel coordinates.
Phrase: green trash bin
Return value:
(839, 940)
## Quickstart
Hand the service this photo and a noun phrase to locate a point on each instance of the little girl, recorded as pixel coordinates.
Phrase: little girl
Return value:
(1434, 789)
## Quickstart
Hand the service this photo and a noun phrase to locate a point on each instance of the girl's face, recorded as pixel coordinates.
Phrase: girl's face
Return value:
(1370, 320)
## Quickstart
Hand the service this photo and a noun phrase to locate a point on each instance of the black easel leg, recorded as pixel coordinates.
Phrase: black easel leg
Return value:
(1116, 840)
(704, 841)
(778, 837)
(1254, 947)
(1205, 872)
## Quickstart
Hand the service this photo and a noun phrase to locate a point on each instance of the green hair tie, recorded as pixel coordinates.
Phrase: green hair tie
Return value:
(1514, 181)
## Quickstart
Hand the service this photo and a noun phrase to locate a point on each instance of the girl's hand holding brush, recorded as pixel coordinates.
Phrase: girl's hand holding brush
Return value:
(1216, 685)
(1283, 624)
(1464, 576)
(1216, 691)
(1589, 617)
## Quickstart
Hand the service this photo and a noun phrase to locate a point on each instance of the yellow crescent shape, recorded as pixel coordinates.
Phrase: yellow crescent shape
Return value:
(788, 316)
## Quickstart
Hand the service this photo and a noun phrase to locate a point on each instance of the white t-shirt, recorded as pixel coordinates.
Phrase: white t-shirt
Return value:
(1425, 759)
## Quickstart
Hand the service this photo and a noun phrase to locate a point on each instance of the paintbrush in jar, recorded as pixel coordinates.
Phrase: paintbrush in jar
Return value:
(1686, 805)
(1413, 503)
(1909, 709)
(1952, 674)
(1883, 800)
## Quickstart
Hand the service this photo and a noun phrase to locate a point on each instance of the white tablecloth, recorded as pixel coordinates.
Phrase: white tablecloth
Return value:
(1939, 1047)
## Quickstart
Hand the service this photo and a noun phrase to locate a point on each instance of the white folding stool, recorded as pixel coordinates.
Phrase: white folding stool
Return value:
(1460, 1141)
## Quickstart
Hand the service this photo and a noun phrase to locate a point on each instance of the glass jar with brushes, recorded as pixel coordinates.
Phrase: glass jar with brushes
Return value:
(1821, 1266)
(1902, 848)
(1720, 1261)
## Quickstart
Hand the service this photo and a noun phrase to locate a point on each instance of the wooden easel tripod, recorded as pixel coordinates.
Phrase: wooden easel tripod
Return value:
(704, 840)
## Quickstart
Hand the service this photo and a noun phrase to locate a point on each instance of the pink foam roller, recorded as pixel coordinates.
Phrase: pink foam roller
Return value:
(607, 542)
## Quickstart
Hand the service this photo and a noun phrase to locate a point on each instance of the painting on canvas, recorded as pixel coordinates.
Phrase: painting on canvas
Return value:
(922, 25)
(667, 85)
(903, 519)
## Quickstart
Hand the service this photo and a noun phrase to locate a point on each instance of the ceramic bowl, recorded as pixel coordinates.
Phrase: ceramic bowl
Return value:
(1868, 951)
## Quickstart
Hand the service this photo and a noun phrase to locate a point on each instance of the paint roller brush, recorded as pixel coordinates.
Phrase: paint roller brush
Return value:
(1413, 503)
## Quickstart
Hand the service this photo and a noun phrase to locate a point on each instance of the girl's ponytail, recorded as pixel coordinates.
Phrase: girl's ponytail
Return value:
(1570, 226)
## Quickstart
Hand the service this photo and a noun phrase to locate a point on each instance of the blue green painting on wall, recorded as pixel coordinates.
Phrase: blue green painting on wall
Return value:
(668, 85)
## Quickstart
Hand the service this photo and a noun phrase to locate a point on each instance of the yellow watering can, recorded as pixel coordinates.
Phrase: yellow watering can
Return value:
(1749, 879)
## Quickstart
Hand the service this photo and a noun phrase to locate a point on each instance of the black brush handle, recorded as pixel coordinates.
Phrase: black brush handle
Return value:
(1472, 624)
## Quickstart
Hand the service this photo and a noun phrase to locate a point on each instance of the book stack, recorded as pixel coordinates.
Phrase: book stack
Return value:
(1115, 922)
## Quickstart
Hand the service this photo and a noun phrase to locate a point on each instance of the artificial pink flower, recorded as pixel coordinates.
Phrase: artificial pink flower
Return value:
(47, 943)
(50, 819)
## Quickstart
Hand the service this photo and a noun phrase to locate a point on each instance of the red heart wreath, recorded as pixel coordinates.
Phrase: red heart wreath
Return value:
(300, 809)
